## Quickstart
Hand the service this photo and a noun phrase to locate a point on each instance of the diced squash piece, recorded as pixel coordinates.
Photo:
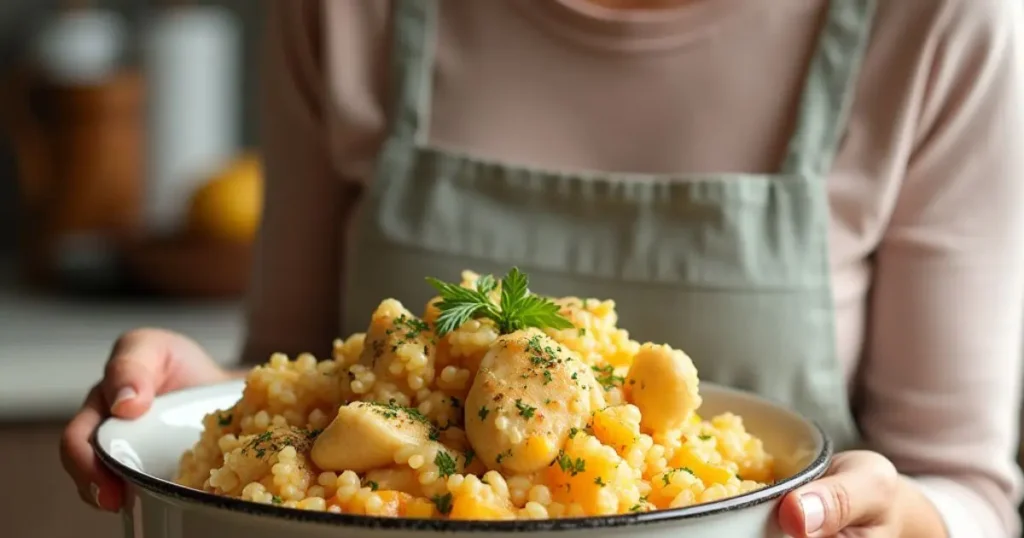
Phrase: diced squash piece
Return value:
(614, 427)
(538, 447)
(420, 508)
(709, 473)
(663, 383)
(348, 506)
(402, 478)
(586, 473)
(395, 503)
(487, 507)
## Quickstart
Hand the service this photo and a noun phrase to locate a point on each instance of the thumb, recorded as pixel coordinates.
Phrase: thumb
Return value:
(134, 372)
(856, 491)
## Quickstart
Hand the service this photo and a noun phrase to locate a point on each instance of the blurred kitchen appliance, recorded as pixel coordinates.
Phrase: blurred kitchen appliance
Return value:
(76, 120)
(191, 56)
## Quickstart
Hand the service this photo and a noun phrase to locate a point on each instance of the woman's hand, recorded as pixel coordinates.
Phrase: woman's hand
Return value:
(861, 496)
(144, 363)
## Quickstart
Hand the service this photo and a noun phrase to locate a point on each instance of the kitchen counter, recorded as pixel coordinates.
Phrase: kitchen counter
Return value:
(53, 349)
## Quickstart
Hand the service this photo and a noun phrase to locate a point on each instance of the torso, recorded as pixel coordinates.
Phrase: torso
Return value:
(712, 87)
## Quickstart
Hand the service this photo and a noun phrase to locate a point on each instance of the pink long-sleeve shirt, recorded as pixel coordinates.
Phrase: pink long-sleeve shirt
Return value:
(927, 229)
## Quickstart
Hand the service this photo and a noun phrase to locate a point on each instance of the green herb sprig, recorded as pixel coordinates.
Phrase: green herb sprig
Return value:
(516, 310)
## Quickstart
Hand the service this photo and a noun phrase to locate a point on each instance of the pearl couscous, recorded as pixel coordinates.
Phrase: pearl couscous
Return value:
(481, 420)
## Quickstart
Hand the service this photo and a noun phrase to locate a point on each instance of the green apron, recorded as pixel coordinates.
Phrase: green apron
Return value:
(731, 268)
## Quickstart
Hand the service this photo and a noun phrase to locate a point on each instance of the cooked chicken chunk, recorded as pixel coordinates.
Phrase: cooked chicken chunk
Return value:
(399, 347)
(395, 479)
(530, 392)
(367, 435)
(257, 454)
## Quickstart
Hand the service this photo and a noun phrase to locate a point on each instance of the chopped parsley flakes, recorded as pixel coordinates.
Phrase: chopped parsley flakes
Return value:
(392, 410)
(533, 344)
(413, 326)
(569, 465)
(525, 410)
(607, 378)
(666, 478)
(275, 439)
(445, 464)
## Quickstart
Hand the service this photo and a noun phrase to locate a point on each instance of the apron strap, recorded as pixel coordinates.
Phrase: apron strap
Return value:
(830, 86)
(412, 56)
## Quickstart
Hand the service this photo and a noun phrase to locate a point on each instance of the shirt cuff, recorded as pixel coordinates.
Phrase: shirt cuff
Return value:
(961, 520)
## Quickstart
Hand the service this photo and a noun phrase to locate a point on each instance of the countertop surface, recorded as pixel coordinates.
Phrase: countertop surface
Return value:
(52, 349)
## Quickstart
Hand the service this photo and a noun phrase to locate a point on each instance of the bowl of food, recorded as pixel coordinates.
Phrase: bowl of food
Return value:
(497, 411)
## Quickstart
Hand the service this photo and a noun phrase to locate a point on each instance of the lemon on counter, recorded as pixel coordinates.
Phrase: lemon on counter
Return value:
(229, 205)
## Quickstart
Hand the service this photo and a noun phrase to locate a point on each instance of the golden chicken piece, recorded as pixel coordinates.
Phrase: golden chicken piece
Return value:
(663, 384)
(399, 347)
(530, 392)
(395, 479)
(257, 454)
(367, 435)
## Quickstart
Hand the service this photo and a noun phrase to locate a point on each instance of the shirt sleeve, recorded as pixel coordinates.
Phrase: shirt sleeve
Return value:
(940, 388)
(292, 302)
(956, 505)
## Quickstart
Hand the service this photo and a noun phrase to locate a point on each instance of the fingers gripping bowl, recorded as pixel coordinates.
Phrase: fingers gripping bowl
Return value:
(497, 410)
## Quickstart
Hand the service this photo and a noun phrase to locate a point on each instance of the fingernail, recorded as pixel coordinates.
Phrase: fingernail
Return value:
(94, 492)
(814, 511)
(124, 395)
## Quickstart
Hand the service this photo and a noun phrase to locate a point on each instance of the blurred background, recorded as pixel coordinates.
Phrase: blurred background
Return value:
(129, 196)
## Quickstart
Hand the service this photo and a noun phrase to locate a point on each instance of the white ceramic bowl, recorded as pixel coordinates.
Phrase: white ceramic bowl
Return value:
(145, 453)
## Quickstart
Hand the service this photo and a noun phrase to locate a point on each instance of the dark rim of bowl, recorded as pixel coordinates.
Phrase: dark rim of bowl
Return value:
(169, 489)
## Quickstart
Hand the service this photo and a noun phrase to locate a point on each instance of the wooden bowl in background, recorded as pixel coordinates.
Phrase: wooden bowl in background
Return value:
(189, 268)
